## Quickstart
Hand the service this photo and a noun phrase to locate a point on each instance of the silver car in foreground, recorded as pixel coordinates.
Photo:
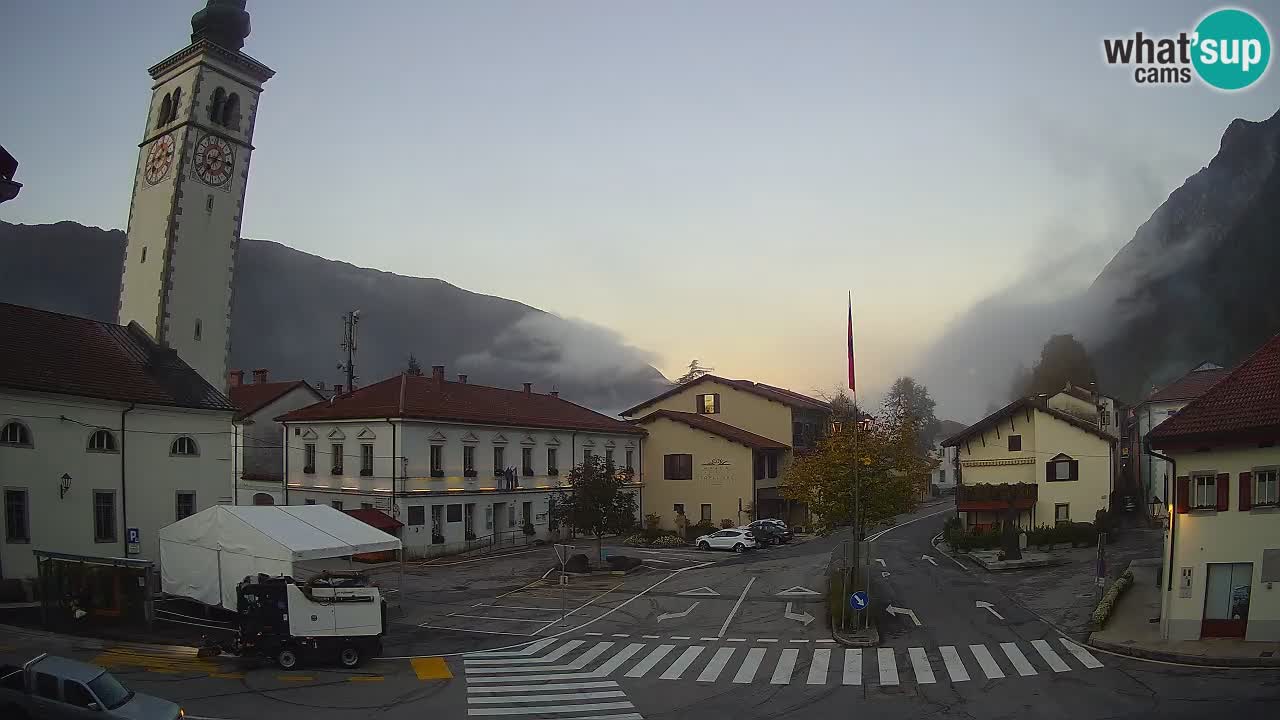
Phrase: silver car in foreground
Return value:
(54, 688)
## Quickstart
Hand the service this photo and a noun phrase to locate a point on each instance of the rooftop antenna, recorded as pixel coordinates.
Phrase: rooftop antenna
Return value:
(349, 322)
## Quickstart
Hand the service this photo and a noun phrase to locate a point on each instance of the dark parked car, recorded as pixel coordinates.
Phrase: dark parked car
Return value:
(776, 526)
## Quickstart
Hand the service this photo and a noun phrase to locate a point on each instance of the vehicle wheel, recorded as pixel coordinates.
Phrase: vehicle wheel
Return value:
(739, 548)
(704, 545)
(349, 657)
(287, 658)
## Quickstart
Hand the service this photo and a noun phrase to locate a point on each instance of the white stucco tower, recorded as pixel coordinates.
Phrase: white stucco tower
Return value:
(188, 193)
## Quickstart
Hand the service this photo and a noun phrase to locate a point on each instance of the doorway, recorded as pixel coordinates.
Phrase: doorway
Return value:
(1226, 600)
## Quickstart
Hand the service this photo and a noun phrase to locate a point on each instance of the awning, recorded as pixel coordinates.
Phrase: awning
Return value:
(375, 518)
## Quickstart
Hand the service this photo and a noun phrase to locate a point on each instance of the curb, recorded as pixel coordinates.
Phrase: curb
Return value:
(1183, 658)
(86, 641)
(871, 638)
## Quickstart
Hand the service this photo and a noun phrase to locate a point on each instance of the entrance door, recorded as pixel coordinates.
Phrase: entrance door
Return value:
(1226, 600)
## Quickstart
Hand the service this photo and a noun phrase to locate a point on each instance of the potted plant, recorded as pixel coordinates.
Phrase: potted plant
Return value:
(529, 530)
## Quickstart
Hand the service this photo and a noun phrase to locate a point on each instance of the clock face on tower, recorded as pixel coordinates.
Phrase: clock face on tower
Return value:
(214, 159)
(159, 158)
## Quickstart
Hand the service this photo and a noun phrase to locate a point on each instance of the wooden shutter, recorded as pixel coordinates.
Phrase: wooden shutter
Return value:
(1075, 469)
(666, 467)
(1246, 491)
(1184, 494)
(1049, 470)
(717, 403)
(1223, 484)
(687, 463)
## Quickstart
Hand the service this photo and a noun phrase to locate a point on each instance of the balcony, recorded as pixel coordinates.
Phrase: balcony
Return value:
(980, 497)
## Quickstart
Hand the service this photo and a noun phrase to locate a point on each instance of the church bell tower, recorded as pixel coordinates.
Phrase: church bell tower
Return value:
(188, 192)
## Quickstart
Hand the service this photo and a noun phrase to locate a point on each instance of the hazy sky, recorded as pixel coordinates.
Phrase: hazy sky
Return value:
(706, 178)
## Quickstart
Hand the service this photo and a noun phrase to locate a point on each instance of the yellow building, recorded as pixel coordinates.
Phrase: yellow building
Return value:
(1222, 545)
(1046, 443)
(717, 449)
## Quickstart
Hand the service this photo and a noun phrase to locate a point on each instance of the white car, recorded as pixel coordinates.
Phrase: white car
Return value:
(734, 539)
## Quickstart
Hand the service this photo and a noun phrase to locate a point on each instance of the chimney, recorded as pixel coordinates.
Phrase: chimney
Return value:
(235, 378)
(528, 389)
(320, 386)
(337, 390)
(462, 378)
(555, 393)
(437, 375)
(259, 376)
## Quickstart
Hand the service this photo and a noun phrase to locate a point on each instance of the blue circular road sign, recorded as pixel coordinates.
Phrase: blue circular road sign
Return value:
(858, 600)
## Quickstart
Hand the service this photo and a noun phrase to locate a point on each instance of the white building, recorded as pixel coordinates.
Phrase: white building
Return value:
(258, 469)
(1154, 476)
(101, 430)
(1222, 546)
(944, 476)
(432, 454)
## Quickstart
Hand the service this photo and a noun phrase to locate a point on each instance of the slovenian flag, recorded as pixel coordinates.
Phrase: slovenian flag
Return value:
(851, 383)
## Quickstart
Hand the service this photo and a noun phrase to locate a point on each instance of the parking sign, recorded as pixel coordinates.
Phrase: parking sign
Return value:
(133, 535)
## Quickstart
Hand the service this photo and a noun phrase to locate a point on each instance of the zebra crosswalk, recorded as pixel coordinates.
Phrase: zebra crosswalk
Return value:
(554, 677)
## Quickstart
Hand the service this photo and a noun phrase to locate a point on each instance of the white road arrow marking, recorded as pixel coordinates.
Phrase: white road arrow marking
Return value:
(881, 561)
(668, 616)
(805, 618)
(989, 608)
(896, 611)
(703, 591)
(931, 562)
(797, 590)
(884, 574)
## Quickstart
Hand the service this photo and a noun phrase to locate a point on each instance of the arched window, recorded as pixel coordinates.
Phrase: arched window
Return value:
(15, 433)
(166, 105)
(102, 441)
(184, 445)
(173, 109)
(263, 499)
(215, 106)
(231, 112)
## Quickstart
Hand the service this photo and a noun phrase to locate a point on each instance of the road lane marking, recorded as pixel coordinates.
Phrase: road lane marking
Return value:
(922, 517)
(530, 649)
(888, 665)
(680, 637)
(594, 634)
(749, 666)
(620, 635)
(735, 640)
(825, 640)
(799, 641)
(682, 663)
(786, 665)
(986, 662)
(760, 640)
(583, 660)
(431, 668)
(920, 666)
(598, 695)
(459, 629)
(616, 661)
(818, 667)
(955, 666)
(653, 658)
(1020, 662)
(736, 605)
(1084, 656)
(712, 639)
(649, 637)
(549, 709)
(853, 666)
(365, 678)
(494, 617)
(716, 666)
(593, 599)
(550, 686)
(558, 653)
(1046, 651)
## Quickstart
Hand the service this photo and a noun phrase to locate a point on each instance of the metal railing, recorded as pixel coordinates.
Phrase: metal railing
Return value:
(481, 545)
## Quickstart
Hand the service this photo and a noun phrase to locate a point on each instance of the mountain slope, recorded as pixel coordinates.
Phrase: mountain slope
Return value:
(288, 306)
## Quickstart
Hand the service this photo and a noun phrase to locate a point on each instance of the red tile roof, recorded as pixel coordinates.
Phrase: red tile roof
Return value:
(425, 398)
(249, 398)
(1189, 386)
(1244, 405)
(715, 427)
(376, 518)
(769, 392)
(1036, 403)
(50, 352)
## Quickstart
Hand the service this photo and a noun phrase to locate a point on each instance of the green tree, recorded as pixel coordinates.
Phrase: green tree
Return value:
(414, 368)
(596, 501)
(1063, 359)
(695, 371)
(889, 470)
(908, 407)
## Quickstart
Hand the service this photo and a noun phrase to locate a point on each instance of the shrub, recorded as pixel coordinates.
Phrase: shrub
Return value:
(1109, 599)
(653, 538)
(652, 521)
(704, 527)
(725, 524)
(529, 529)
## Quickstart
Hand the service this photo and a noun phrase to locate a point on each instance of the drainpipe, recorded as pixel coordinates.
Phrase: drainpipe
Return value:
(124, 496)
(393, 468)
(284, 491)
(1173, 516)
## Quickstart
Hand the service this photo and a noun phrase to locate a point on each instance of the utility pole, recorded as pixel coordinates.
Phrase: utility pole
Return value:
(349, 322)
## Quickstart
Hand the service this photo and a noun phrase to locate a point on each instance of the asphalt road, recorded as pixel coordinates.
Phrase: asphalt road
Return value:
(711, 635)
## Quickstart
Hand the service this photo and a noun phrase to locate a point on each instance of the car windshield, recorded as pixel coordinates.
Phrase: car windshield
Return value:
(109, 691)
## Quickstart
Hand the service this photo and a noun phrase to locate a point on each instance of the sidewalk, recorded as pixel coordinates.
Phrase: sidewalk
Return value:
(1130, 631)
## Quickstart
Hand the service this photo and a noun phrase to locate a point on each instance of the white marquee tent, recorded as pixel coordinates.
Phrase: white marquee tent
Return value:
(206, 555)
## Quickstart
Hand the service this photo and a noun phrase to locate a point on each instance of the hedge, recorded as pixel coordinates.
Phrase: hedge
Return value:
(652, 537)
(1109, 599)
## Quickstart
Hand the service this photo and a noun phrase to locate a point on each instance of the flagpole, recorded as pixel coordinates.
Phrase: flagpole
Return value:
(857, 460)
